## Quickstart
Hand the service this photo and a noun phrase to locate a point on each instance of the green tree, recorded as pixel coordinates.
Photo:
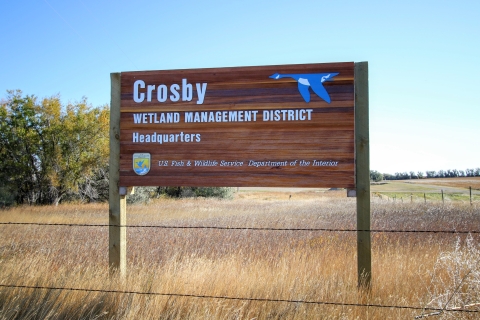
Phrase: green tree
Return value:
(20, 142)
(431, 174)
(375, 176)
(77, 142)
(49, 150)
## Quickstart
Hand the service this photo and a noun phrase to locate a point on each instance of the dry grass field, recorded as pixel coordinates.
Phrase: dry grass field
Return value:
(461, 182)
(434, 270)
(429, 190)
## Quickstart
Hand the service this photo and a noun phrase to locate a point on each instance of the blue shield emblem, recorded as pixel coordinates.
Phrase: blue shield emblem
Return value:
(141, 163)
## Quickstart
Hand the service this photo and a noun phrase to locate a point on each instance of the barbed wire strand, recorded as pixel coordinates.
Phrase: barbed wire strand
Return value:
(181, 295)
(435, 311)
(242, 228)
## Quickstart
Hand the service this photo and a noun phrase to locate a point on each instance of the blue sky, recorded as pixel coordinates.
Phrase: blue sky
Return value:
(424, 71)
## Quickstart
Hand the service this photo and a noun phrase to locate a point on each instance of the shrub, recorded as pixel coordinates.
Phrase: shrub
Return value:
(144, 194)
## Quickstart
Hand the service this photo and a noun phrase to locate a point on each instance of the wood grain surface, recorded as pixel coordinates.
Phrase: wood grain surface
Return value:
(326, 139)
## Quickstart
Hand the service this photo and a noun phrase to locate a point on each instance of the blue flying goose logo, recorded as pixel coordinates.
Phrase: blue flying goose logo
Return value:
(310, 80)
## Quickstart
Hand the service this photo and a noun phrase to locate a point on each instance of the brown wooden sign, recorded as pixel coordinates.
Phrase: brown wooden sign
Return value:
(278, 126)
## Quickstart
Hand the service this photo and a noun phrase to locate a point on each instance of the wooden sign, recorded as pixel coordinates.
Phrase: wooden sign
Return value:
(278, 126)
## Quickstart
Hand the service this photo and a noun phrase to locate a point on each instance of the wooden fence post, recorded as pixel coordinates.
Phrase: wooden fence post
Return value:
(117, 203)
(471, 202)
(362, 169)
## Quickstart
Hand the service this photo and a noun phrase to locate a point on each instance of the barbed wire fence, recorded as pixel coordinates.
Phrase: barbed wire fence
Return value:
(242, 228)
(431, 311)
(179, 295)
(464, 195)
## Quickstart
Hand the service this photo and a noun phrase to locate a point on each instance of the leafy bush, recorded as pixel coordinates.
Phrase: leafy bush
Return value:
(144, 194)
(375, 176)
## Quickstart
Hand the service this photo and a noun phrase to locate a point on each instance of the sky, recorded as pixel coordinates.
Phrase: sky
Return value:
(423, 58)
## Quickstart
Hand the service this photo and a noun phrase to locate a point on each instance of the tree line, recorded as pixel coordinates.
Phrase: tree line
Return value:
(451, 173)
(52, 152)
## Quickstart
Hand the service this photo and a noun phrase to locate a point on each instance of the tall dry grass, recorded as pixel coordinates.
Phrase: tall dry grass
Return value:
(409, 269)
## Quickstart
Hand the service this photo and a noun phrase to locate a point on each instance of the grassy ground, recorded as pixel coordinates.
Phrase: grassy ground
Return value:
(421, 190)
(425, 197)
(419, 269)
(461, 182)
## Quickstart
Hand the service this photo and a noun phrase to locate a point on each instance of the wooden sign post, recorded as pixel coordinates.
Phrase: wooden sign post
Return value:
(117, 252)
(270, 126)
(362, 158)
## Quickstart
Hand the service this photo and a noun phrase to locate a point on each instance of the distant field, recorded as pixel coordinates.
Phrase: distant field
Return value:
(462, 182)
(454, 189)
(408, 185)
(288, 193)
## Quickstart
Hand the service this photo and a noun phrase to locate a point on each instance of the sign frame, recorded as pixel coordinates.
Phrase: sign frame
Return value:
(242, 126)
(361, 186)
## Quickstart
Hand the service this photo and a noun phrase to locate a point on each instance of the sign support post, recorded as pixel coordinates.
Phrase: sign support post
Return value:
(362, 156)
(287, 125)
(117, 202)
